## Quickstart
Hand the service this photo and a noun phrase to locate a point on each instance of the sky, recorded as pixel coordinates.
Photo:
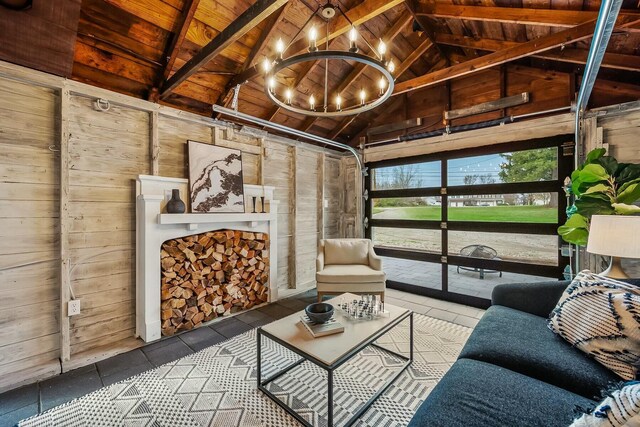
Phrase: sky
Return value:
(428, 174)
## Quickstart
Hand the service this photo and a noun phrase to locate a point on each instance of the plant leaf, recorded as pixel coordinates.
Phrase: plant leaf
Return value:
(594, 204)
(630, 194)
(610, 164)
(595, 155)
(624, 209)
(629, 173)
(598, 188)
(575, 230)
(593, 173)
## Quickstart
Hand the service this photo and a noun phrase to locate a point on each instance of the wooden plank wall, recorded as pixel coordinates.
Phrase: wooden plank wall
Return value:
(547, 89)
(29, 229)
(106, 151)
(618, 130)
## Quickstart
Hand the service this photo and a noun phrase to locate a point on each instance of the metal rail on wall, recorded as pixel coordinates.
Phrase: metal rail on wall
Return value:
(609, 10)
(295, 132)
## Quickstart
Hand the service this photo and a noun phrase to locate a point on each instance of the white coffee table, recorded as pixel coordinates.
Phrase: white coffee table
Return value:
(332, 351)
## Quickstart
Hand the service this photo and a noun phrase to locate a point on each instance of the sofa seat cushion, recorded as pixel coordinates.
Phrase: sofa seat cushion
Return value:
(346, 251)
(349, 274)
(523, 343)
(478, 394)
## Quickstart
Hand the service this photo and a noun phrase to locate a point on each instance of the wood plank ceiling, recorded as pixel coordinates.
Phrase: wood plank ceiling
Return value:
(134, 46)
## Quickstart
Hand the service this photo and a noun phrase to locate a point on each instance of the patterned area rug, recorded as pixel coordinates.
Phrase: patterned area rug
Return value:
(217, 386)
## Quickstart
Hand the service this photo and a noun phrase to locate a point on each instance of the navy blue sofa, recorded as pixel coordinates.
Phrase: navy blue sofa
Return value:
(513, 371)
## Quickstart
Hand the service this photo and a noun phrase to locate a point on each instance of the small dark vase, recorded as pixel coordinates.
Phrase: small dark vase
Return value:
(175, 205)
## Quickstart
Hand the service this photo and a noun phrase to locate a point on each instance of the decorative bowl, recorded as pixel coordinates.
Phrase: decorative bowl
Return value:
(319, 312)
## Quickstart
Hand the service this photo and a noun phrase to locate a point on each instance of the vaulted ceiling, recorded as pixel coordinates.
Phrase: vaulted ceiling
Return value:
(143, 47)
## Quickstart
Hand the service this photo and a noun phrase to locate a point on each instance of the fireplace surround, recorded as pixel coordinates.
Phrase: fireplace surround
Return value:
(153, 228)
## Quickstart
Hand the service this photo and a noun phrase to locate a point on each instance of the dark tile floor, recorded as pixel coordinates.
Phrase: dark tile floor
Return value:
(32, 399)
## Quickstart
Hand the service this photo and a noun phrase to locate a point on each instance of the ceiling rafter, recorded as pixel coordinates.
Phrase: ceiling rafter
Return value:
(251, 17)
(269, 29)
(413, 7)
(572, 55)
(511, 15)
(174, 44)
(532, 47)
(414, 56)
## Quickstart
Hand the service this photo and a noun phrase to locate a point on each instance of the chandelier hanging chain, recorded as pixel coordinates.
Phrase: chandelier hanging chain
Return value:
(326, 69)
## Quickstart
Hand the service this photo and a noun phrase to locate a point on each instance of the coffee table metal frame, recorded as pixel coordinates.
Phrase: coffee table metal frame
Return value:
(332, 367)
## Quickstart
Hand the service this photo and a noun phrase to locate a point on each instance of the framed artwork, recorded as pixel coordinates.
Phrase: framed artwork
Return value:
(215, 179)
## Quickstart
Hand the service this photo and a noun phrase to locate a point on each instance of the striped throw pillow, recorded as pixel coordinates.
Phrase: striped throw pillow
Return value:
(601, 317)
(620, 408)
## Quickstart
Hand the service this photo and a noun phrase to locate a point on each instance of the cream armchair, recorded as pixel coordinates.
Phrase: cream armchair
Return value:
(349, 265)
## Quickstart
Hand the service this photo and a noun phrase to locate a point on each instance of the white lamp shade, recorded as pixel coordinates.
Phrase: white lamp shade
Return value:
(614, 235)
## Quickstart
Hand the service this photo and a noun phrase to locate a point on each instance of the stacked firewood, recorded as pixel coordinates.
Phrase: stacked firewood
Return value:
(212, 274)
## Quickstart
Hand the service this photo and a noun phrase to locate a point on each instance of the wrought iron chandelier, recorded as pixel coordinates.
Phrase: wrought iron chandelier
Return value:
(338, 106)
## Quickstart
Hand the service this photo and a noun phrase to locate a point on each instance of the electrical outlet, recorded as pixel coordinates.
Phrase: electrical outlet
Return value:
(73, 308)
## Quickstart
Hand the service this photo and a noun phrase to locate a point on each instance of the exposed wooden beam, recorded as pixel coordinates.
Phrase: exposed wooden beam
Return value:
(396, 126)
(576, 56)
(413, 6)
(570, 35)
(359, 14)
(265, 36)
(341, 126)
(499, 104)
(413, 57)
(173, 46)
(510, 15)
(251, 17)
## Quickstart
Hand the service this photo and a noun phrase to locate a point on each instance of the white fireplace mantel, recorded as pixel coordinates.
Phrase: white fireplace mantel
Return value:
(153, 228)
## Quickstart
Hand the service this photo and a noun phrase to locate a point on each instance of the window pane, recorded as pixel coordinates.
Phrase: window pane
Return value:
(532, 207)
(519, 166)
(407, 238)
(418, 175)
(526, 248)
(418, 273)
(424, 208)
(468, 281)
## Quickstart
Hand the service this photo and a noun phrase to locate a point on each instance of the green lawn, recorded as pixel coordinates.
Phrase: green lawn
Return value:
(537, 214)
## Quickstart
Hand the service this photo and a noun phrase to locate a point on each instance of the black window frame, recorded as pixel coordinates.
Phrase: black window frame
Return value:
(564, 144)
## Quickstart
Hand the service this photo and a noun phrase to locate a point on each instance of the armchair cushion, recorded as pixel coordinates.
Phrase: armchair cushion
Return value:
(346, 251)
(349, 274)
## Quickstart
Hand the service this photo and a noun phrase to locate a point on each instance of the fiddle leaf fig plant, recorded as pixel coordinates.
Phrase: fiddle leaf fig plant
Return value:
(601, 186)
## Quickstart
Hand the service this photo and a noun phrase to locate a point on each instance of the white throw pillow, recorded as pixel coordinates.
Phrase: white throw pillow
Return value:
(621, 408)
(601, 317)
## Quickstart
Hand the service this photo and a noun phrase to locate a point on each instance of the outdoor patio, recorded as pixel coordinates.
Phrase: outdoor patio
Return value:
(464, 282)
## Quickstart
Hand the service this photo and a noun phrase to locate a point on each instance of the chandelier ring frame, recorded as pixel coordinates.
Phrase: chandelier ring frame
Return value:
(338, 55)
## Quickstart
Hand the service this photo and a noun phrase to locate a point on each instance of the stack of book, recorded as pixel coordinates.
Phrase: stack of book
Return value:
(332, 326)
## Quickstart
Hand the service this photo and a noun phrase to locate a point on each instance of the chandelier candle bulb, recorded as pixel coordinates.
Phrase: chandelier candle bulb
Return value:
(338, 103)
(353, 37)
(288, 95)
(391, 66)
(313, 37)
(312, 103)
(363, 97)
(279, 49)
(272, 83)
(382, 50)
(382, 84)
(266, 65)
